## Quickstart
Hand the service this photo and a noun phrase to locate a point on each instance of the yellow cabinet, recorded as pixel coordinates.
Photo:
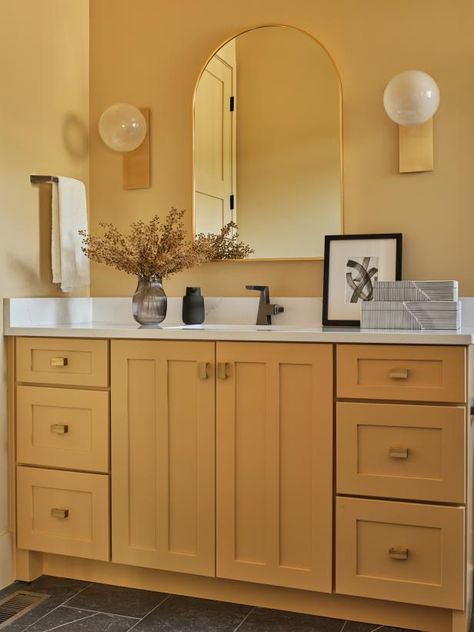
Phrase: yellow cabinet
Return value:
(61, 361)
(402, 373)
(163, 455)
(404, 552)
(411, 452)
(274, 464)
(63, 428)
(63, 512)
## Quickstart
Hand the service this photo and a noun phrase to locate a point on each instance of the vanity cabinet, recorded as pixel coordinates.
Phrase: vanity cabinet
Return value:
(273, 407)
(62, 446)
(274, 464)
(414, 448)
(246, 470)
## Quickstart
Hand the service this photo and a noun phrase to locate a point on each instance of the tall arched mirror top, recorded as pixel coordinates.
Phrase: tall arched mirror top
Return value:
(267, 143)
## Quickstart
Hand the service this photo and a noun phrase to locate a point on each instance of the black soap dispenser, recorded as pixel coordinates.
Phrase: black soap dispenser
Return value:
(193, 306)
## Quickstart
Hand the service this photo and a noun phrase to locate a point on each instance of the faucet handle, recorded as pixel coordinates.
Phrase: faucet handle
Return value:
(258, 288)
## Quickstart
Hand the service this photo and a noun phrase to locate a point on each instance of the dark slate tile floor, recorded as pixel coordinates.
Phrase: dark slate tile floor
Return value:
(75, 606)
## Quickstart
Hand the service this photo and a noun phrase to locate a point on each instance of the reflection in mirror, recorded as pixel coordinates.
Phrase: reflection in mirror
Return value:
(267, 143)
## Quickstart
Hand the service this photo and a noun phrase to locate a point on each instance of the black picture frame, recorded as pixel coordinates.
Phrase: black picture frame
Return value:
(328, 240)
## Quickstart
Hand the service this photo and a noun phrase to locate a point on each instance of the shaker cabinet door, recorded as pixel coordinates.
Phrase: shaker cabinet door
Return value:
(163, 455)
(274, 464)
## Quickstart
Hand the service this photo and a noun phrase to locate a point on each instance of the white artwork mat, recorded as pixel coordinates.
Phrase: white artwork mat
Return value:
(383, 250)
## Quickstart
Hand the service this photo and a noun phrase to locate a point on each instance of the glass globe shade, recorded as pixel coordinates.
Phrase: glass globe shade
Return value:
(411, 98)
(122, 127)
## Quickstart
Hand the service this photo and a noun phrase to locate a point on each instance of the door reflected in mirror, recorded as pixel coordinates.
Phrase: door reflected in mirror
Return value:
(267, 143)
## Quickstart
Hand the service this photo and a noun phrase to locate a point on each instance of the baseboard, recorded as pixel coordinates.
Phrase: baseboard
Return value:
(6, 559)
(391, 614)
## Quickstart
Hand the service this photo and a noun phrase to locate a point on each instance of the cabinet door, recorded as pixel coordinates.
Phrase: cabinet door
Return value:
(274, 464)
(163, 455)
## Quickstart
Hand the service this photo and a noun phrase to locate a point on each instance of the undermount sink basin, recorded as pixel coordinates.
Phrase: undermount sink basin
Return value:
(226, 327)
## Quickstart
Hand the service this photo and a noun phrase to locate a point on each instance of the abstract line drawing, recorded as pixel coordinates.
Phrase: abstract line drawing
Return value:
(359, 279)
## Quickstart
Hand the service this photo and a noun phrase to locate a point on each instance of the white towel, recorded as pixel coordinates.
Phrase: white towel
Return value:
(70, 266)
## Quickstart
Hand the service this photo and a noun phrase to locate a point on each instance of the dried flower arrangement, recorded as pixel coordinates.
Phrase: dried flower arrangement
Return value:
(161, 248)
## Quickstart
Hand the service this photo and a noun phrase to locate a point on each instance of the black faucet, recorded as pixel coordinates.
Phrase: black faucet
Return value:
(265, 309)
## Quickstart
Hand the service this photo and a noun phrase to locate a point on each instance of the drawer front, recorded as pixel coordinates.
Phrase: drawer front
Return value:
(401, 451)
(63, 512)
(402, 372)
(62, 361)
(62, 427)
(400, 552)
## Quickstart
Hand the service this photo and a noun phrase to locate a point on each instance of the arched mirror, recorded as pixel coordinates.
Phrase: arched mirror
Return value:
(267, 143)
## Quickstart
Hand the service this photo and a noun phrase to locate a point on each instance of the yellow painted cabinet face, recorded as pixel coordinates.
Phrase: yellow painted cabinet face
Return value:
(63, 427)
(402, 451)
(61, 361)
(274, 464)
(163, 455)
(402, 372)
(63, 512)
(403, 552)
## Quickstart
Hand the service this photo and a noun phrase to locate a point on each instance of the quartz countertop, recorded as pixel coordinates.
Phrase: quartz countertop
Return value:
(301, 322)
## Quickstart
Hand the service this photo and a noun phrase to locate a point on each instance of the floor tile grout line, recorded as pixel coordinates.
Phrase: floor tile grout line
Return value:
(245, 618)
(61, 625)
(344, 626)
(109, 614)
(152, 610)
(58, 606)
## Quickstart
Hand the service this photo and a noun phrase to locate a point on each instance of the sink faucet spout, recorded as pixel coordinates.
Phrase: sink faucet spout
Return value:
(265, 309)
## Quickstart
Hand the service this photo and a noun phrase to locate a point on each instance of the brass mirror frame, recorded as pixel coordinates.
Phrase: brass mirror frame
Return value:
(341, 135)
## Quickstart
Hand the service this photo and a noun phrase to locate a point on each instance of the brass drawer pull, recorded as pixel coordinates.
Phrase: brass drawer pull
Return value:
(398, 374)
(398, 453)
(203, 370)
(59, 362)
(60, 514)
(59, 429)
(222, 370)
(398, 553)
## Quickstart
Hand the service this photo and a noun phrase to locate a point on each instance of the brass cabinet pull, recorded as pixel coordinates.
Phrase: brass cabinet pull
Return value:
(203, 370)
(398, 453)
(398, 553)
(222, 370)
(59, 362)
(398, 374)
(59, 429)
(60, 514)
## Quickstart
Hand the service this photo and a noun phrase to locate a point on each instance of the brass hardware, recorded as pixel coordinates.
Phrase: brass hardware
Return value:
(57, 362)
(415, 143)
(398, 374)
(398, 553)
(203, 370)
(398, 453)
(222, 370)
(60, 514)
(59, 429)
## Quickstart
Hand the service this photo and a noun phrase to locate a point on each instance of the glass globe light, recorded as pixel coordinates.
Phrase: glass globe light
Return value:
(122, 127)
(411, 98)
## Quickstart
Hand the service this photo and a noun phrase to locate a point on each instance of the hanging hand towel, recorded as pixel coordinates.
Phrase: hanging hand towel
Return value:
(70, 266)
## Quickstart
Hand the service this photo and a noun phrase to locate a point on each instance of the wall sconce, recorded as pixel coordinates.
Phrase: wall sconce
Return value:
(411, 99)
(125, 128)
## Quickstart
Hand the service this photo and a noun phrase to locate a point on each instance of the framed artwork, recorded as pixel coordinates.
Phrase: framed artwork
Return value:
(351, 265)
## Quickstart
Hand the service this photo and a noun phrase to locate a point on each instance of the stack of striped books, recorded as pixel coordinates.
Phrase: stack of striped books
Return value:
(412, 305)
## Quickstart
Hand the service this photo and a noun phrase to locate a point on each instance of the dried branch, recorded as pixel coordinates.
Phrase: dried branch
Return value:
(161, 248)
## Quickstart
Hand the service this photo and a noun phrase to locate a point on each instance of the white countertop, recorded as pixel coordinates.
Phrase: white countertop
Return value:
(249, 333)
(111, 318)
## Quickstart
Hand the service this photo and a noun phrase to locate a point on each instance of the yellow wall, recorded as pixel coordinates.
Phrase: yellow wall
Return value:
(149, 52)
(44, 103)
(288, 144)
